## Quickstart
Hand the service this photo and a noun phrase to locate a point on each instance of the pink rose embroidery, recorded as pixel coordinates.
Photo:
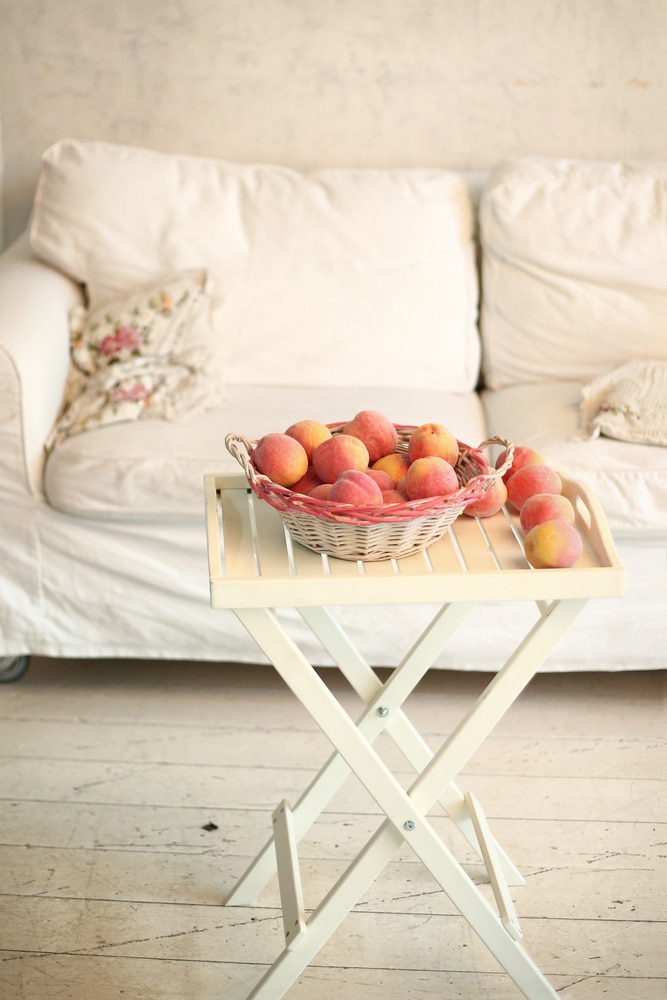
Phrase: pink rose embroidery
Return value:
(128, 338)
(136, 393)
(124, 339)
(108, 345)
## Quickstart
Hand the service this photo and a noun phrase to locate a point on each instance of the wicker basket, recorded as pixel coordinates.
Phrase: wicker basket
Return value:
(372, 532)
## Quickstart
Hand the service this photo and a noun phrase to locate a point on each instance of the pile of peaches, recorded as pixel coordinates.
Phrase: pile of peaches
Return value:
(362, 464)
(546, 517)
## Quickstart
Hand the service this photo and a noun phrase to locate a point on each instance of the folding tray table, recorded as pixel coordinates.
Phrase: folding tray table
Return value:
(255, 567)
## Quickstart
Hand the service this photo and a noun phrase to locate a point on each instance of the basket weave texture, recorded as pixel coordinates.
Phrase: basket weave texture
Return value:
(375, 531)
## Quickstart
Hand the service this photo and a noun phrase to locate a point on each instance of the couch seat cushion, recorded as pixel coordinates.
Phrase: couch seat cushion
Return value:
(154, 468)
(629, 480)
(331, 277)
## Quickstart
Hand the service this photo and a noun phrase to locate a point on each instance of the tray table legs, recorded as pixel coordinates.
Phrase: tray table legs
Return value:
(405, 811)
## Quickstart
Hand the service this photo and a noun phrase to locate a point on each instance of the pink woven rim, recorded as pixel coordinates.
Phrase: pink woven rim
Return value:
(473, 485)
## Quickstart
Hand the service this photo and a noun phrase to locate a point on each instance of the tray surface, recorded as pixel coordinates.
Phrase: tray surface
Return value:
(253, 561)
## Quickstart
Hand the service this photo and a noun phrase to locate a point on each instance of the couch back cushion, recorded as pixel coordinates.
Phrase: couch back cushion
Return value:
(333, 277)
(574, 268)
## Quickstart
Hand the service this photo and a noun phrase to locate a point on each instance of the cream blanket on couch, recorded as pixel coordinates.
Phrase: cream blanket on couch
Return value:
(628, 403)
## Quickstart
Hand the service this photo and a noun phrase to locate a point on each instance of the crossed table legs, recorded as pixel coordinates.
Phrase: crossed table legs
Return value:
(405, 811)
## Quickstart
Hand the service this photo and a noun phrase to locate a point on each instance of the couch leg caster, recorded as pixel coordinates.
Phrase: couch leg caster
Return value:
(12, 668)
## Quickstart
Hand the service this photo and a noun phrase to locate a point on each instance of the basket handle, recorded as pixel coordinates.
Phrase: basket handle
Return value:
(239, 447)
(509, 454)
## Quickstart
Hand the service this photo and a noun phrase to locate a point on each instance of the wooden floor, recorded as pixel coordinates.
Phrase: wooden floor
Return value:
(133, 795)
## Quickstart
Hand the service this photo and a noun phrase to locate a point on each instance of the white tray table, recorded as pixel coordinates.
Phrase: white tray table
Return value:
(255, 567)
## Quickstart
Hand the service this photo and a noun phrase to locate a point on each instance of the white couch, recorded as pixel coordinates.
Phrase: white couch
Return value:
(326, 292)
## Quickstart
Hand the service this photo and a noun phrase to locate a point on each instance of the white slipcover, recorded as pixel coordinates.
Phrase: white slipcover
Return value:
(103, 554)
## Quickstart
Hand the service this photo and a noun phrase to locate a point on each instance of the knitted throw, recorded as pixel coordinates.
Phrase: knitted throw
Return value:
(628, 403)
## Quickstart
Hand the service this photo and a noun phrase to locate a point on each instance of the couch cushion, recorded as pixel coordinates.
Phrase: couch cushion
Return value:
(629, 480)
(155, 467)
(574, 268)
(333, 277)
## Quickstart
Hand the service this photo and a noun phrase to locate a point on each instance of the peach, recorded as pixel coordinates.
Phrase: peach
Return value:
(355, 487)
(309, 433)
(392, 496)
(430, 476)
(338, 454)
(375, 430)
(280, 457)
(491, 502)
(383, 479)
(308, 481)
(531, 479)
(522, 456)
(396, 464)
(553, 545)
(321, 492)
(545, 507)
(433, 439)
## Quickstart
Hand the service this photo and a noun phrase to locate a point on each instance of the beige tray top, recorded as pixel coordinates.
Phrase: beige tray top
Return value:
(253, 562)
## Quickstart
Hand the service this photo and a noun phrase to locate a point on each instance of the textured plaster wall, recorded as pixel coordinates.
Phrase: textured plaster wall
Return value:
(461, 83)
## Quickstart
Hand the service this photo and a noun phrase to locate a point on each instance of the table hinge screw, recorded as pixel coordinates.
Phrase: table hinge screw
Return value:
(409, 824)
(382, 711)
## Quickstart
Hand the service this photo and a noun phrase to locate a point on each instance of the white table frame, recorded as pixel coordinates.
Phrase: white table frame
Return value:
(254, 567)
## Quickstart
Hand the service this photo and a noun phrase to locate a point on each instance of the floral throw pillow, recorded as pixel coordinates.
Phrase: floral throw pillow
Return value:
(160, 320)
(149, 354)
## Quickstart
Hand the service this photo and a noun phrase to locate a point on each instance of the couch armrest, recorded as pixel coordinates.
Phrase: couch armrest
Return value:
(35, 300)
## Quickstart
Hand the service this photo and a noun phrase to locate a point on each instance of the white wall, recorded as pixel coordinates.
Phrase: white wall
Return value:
(460, 83)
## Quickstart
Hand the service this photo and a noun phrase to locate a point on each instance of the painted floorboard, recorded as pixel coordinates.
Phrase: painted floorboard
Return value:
(132, 796)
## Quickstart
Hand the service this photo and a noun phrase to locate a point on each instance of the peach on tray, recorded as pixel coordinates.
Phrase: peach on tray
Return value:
(338, 454)
(309, 433)
(433, 439)
(375, 430)
(531, 479)
(280, 457)
(490, 502)
(545, 507)
(522, 456)
(355, 487)
(321, 492)
(393, 496)
(553, 545)
(308, 481)
(430, 476)
(383, 479)
(395, 465)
